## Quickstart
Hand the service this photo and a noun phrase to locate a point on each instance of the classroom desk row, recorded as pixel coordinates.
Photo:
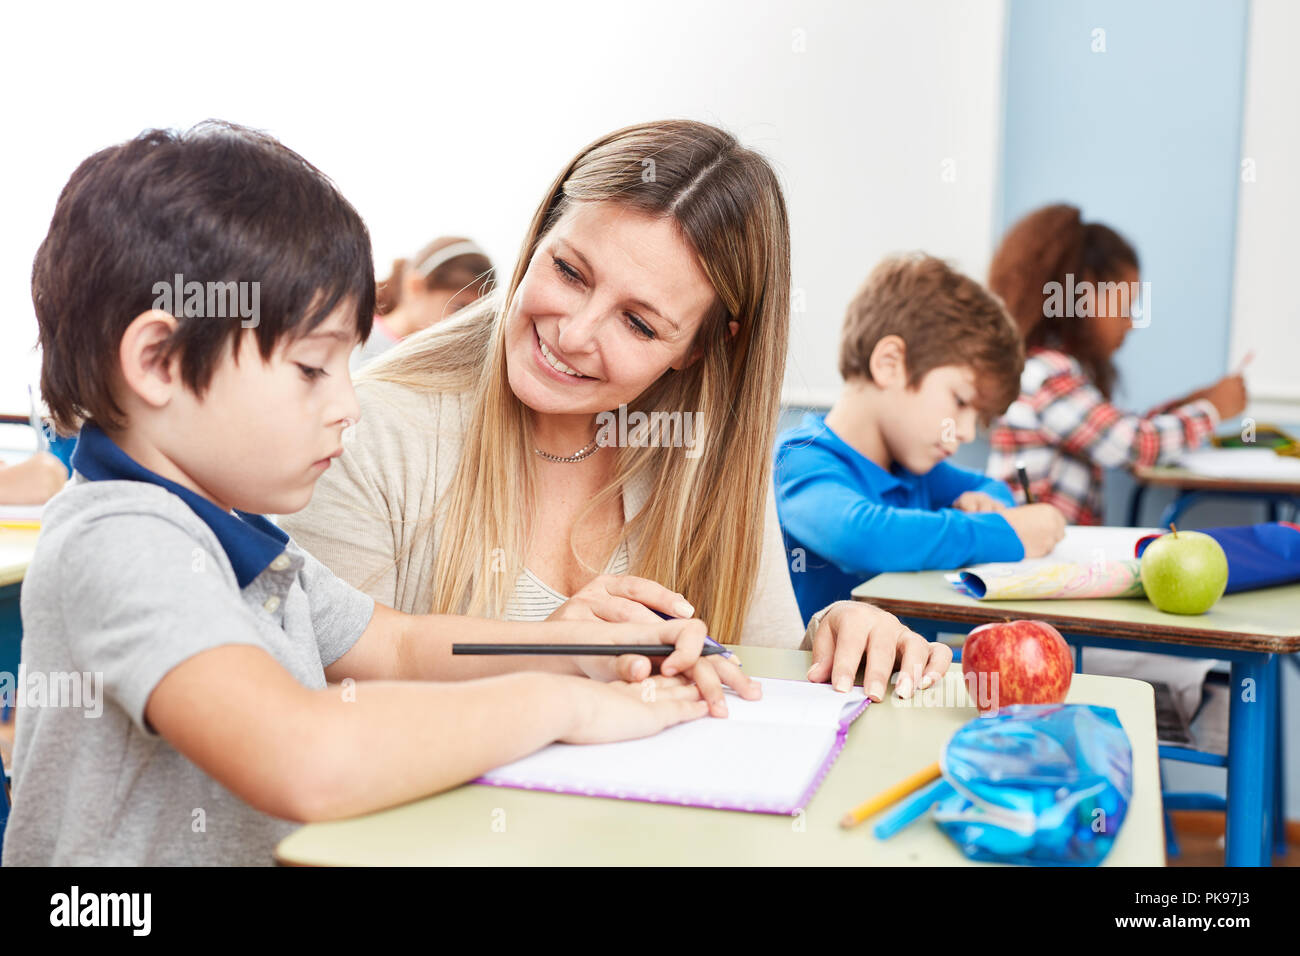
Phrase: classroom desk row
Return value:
(1251, 630)
(478, 825)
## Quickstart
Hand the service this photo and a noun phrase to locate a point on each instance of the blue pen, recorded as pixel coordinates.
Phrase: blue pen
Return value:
(913, 808)
(711, 642)
(42, 443)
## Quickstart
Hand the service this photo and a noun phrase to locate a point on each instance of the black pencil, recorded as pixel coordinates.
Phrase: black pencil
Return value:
(1024, 482)
(580, 650)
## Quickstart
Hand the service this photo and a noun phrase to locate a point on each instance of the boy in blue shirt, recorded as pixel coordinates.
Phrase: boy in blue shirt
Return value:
(209, 682)
(925, 353)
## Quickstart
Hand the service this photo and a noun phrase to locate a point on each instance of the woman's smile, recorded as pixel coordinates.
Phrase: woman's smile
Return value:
(552, 364)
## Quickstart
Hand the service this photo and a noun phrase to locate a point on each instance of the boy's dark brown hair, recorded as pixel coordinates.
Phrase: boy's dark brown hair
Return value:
(218, 203)
(943, 318)
(1046, 246)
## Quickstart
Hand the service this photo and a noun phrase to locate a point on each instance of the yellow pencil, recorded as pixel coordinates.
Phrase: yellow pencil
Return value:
(895, 793)
(21, 525)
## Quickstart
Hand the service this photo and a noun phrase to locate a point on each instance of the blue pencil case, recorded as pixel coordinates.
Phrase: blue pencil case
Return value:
(1038, 784)
(1259, 555)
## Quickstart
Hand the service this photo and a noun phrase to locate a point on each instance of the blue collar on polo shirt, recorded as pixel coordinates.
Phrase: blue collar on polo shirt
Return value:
(251, 541)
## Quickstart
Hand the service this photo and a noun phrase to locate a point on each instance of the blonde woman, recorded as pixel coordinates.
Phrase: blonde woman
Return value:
(501, 469)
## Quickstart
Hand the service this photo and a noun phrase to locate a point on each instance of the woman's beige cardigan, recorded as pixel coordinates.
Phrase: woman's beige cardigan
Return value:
(369, 519)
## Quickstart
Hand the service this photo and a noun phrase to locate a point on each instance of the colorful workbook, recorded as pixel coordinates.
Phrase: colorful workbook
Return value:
(1091, 562)
(766, 756)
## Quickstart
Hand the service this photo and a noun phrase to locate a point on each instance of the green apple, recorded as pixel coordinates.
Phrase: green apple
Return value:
(1184, 572)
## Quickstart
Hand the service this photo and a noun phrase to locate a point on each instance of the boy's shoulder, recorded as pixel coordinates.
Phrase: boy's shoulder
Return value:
(112, 529)
(82, 504)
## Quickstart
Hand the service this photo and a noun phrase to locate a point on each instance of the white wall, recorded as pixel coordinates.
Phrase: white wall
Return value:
(1265, 309)
(454, 120)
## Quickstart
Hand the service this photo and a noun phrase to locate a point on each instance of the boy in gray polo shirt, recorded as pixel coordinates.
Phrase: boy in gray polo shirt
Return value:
(198, 295)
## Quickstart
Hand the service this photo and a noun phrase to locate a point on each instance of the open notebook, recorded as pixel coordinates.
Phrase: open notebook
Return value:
(767, 756)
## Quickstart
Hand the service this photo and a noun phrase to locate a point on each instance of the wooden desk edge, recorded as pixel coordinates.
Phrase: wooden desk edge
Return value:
(1154, 634)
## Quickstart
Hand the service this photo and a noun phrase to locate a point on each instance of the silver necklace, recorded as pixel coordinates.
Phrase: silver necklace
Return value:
(586, 451)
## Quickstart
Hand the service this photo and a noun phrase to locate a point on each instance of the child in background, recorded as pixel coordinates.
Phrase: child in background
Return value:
(1063, 426)
(444, 277)
(925, 352)
(32, 481)
(208, 638)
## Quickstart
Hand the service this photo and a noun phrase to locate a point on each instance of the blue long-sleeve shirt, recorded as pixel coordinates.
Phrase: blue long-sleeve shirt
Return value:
(846, 519)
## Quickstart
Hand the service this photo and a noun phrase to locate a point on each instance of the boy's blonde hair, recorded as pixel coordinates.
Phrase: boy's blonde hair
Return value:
(943, 318)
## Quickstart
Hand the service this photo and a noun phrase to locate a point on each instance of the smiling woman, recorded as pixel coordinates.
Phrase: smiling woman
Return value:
(654, 277)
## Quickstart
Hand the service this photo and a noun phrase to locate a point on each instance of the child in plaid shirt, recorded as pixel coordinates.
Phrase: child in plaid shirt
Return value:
(1071, 288)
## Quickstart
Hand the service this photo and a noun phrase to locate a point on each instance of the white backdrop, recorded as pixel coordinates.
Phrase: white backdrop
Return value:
(882, 119)
(1265, 310)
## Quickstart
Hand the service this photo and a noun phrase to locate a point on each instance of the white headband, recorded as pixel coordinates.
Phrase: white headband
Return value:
(446, 254)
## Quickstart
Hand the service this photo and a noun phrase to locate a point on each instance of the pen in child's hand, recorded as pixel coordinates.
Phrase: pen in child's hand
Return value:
(1024, 482)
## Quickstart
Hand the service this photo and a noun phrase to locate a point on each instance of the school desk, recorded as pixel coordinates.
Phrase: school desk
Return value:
(1250, 630)
(496, 826)
(1192, 487)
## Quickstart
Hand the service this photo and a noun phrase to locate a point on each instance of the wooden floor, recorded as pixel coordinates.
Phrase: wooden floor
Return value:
(1200, 833)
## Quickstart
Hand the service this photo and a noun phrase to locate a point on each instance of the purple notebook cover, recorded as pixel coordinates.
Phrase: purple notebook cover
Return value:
(841, 734)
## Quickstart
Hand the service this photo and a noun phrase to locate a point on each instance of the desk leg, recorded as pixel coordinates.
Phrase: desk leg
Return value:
(1279, 763)
(1251, 722)
(1135, 505)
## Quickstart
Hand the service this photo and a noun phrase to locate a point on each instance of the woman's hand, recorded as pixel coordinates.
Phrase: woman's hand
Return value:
(622, 711)
(628, 600)
(976, 502)
(851, 629)
(622, 597)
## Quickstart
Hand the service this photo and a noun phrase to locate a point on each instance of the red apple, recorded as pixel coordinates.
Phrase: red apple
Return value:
(1016, 662)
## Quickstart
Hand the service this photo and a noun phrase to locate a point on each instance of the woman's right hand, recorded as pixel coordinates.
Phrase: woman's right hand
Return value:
(627, 599)
(622, 598)
(1039, 527)
(1227, 395)
(622, 710)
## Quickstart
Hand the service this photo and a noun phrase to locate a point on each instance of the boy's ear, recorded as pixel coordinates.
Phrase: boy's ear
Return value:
(694, 355)
(140, 356)
(888, 362)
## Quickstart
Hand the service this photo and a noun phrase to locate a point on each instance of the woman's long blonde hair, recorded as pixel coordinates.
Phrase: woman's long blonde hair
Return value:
(700, 531)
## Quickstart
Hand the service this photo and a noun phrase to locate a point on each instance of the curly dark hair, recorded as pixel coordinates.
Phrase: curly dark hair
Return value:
(1044, 247)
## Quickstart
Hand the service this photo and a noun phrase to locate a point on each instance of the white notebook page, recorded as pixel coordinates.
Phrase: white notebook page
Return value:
(764, 756)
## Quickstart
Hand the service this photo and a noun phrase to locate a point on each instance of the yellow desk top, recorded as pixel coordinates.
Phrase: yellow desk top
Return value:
(1266, 621)
(496, 826)
(16, 550)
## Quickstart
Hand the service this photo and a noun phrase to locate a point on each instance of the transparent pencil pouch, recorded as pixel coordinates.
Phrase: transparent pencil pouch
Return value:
(1038, 784)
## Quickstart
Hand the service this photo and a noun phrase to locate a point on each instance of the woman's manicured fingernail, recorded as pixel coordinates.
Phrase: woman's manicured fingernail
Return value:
(876, 691)
(904, 686)
(926, 681)
(683, 609)
(843, 683)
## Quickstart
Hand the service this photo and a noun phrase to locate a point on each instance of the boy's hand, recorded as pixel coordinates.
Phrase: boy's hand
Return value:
(1039, 527)
(851, 629)
(623, 711)
(977, 501)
